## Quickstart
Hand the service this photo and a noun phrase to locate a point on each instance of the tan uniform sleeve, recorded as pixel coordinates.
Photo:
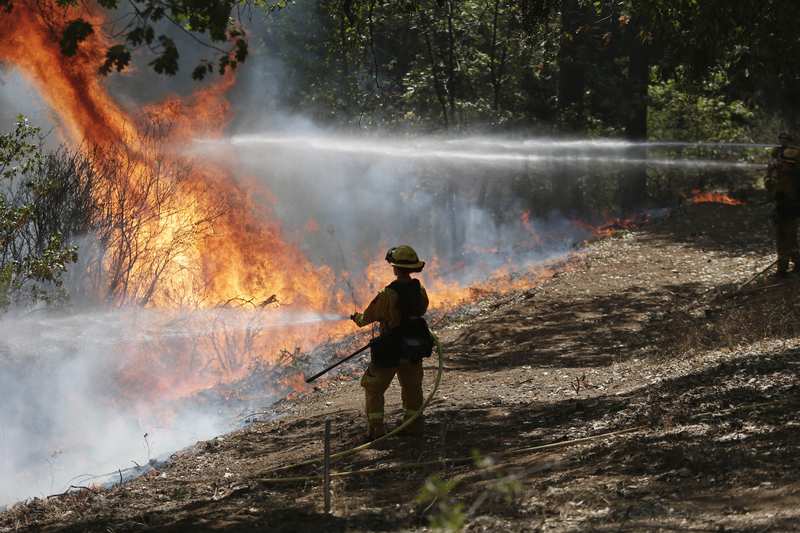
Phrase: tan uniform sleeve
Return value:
(376, 311)
(782, 184)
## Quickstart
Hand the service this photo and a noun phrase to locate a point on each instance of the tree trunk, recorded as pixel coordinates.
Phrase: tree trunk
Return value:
(345, 66)
(438, 86)
(634, 185)
(495, 66)
(451, 64)
(572, 72)
(571, 86)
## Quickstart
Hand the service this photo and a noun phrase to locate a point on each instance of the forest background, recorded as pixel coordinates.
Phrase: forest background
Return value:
(697, 81)
(176, 252)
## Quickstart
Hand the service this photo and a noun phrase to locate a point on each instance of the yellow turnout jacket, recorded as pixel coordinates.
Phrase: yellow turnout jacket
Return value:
(384, 308)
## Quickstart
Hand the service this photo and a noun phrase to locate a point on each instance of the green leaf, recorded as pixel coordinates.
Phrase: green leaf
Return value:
(199, 72)
(241, 51)
(167, 62)
(117, 57)
(75, 33)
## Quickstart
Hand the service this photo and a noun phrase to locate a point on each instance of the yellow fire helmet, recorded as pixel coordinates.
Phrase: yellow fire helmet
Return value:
(784, 135)
(790, 155)
(404, 256)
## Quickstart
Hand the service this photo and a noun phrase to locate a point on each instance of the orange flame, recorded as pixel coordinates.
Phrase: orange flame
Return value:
(715, 197)
(244, 259)
(69, 85)
(526, 223)
(611, 225)
(224, 279)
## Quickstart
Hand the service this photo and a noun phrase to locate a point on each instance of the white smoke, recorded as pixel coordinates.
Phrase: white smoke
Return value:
(63, 416)
(19, 97)
(368, 193)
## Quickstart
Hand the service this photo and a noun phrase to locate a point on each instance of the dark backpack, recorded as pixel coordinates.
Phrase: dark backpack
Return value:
(411, 339)
(785, 208)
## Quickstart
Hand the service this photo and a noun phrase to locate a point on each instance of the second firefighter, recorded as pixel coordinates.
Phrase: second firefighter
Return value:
(786, 210)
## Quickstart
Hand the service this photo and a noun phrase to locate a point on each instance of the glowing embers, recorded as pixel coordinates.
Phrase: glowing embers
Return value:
(613, 225)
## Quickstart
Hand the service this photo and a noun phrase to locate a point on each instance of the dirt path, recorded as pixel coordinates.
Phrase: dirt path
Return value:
(646, 330)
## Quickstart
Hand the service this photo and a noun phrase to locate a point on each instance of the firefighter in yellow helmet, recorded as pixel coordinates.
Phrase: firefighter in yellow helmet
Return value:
(784, 141)
(398, 308)
(786, 186)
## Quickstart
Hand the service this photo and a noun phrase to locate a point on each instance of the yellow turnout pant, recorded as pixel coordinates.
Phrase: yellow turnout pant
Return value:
(377, 380)
(786, 235)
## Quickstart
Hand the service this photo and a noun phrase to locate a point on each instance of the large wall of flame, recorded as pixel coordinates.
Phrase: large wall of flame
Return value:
(248, 254)
(71, 86)
(247, 260)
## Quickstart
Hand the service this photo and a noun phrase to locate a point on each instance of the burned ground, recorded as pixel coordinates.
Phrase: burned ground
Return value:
(634, 390)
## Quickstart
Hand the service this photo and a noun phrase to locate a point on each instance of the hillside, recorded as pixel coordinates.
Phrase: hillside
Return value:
(645, 331)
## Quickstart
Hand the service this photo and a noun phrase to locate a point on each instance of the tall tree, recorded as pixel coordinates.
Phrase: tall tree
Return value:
(751, 40)
(634, 185)
(571, 64)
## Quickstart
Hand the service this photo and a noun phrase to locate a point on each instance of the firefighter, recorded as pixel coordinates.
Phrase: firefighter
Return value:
(785, 185)
(784, 140)
(405, 299)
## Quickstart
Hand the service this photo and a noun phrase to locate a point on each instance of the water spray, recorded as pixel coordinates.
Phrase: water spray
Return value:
(327, 317)
(492, 152)
(235, 322)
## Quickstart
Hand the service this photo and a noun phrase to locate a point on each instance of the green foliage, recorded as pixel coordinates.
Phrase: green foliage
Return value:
(485, 65)
(76, 31)
(749, 38)
(167, 61)
(117, 57)
(298, 361)
(681, 117)
(449, 514)
(676, 115)
(27, 274)
(426, 66)
(200, 18)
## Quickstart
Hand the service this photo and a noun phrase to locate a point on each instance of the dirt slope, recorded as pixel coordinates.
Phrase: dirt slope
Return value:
(645, 330)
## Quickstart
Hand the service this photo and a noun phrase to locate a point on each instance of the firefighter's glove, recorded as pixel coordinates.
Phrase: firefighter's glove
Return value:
(353, 317)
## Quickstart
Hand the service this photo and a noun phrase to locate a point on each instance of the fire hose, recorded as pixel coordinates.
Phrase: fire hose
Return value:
(746, 283)
(389, 434)
(509, 453)
(339, 362)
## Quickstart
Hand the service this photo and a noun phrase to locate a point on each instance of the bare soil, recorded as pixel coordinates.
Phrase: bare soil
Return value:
(633, 390)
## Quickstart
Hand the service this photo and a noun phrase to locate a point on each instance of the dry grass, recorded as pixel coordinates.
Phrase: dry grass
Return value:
(729, 321)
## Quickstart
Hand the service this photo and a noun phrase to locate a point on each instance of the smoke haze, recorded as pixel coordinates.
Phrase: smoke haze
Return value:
(64, 415)
(81, 392)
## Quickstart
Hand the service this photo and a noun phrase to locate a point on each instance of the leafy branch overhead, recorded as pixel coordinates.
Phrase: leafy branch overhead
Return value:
(143, 24)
